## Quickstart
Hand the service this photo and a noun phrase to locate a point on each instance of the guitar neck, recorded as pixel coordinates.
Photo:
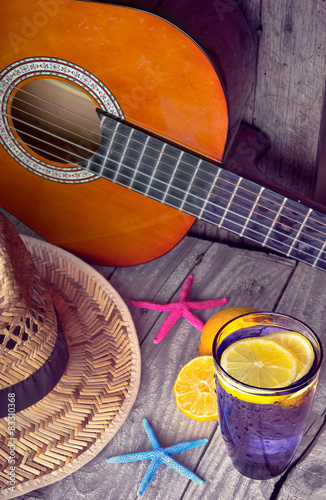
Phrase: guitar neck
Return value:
(161, 171)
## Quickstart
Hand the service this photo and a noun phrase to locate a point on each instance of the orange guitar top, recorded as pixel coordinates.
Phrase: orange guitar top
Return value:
(157, 78)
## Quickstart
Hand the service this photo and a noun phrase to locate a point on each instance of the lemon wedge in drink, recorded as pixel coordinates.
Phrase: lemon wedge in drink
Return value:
(194, 389)
(299, 346)
(260, 362)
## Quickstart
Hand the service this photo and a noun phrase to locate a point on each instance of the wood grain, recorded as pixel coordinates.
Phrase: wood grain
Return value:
(287, 100)
(290, 89)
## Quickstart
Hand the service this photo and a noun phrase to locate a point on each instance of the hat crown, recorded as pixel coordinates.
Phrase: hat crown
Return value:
(28, 324)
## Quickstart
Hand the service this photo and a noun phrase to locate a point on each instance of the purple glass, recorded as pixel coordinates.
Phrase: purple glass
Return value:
(262, 428)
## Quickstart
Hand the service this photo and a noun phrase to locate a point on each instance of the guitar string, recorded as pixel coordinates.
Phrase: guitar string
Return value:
(147, 175)
(164, 163)
(149, 147)
(241, 197)
(100, 136)
(289, 218)
(289, 246)
(201, 189)
(208, 173)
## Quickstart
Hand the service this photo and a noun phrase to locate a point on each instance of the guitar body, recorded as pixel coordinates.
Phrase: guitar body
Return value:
(153, 75)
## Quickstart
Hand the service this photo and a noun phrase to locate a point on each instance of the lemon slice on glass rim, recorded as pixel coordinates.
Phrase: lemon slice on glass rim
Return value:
(299, 346)
(260, 362)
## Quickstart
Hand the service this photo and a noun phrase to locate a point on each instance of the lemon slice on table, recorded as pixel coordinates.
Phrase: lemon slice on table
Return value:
(298, 345)
(194, 389)
(260, 362)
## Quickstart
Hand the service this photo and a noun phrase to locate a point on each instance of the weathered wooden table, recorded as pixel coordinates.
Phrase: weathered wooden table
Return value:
(286, 104)
(247, 278)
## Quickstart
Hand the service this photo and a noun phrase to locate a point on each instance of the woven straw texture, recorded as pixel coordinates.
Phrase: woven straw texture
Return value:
(70, 425)
(28, 324)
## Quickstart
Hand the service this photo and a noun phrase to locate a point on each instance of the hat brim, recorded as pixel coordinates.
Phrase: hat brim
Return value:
(71, 424)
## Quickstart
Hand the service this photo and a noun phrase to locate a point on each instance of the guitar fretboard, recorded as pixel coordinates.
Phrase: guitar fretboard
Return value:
(163, 172)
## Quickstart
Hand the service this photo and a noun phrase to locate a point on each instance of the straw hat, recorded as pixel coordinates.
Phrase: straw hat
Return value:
(69, 363)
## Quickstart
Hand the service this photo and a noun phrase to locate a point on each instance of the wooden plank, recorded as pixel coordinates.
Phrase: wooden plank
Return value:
(308, 479)
(290, 89)
(302, 299)
(149, 282)
(289, 92)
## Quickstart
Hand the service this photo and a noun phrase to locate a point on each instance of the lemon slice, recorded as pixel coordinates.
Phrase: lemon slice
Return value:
(298, 345)
(194, 389)
(260, 362)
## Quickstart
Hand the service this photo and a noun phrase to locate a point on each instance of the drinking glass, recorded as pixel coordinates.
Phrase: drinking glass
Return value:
(262, 428)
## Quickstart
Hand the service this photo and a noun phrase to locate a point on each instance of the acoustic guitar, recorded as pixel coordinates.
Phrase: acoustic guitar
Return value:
(114, 124)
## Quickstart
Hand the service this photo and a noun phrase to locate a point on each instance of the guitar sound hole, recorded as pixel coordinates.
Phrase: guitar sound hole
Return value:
(56, 120)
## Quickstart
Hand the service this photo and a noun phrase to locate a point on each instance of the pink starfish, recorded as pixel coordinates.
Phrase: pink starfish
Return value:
(181, 307)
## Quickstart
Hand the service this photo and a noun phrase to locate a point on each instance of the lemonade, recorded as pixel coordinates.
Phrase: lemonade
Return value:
(262, 420)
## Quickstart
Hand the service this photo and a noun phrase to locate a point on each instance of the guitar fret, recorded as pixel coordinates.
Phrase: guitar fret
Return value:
(298, 233)
(210, 193)
(274, 222)
(158, 161)
(252, 211)
(230, 202)
(123, 155)
(169, 185)
(139, 162)
(191, 184)
(87, 165)
(108, 150)
(310, 241)
(316, 261)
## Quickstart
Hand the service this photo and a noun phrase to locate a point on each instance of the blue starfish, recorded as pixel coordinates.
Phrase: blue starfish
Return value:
(159, 455)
